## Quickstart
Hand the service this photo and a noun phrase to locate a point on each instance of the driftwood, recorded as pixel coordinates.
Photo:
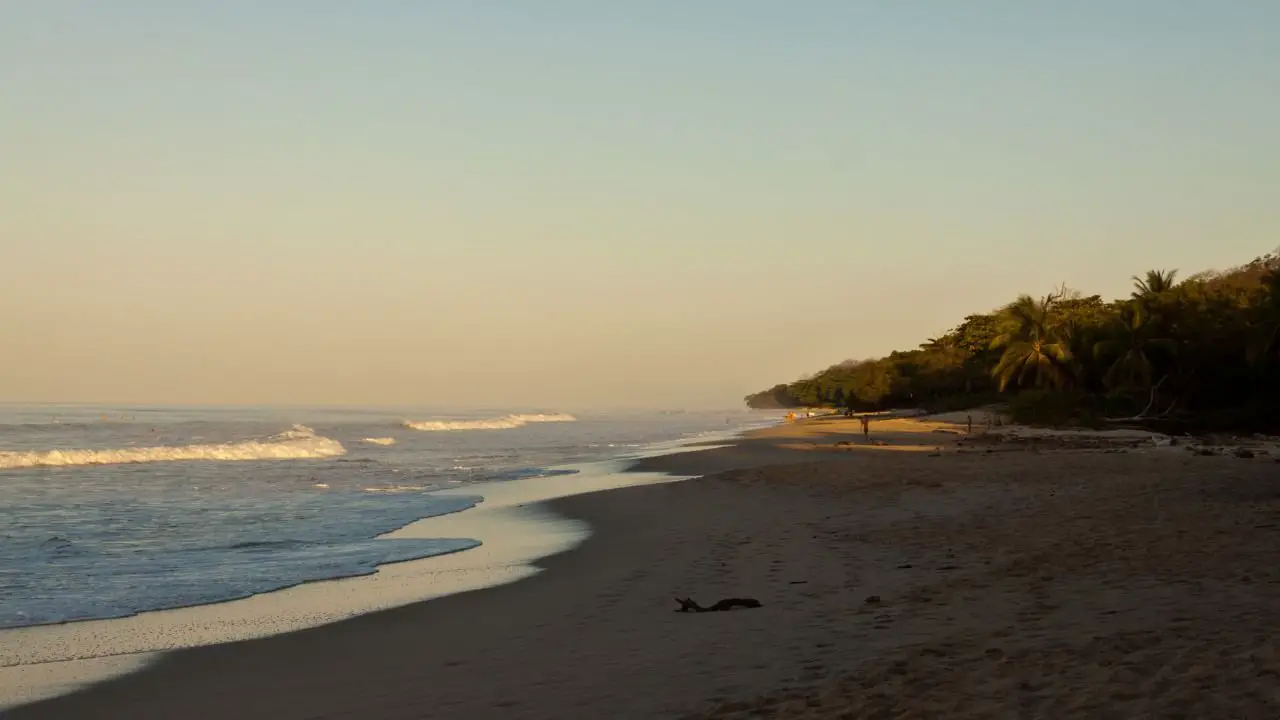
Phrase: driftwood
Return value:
(688, 605)
(1143, 415)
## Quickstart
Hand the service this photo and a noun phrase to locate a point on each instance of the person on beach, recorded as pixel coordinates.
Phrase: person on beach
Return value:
(866, 427)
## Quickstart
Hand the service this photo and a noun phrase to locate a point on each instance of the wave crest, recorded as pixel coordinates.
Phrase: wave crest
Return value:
(506, 422)
(379, 441)
(298, 443)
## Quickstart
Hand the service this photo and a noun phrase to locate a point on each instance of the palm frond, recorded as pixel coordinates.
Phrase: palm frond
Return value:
(1059, 353)
(1104, 349)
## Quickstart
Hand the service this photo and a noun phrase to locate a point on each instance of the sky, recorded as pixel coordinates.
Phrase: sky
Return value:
(578, 203)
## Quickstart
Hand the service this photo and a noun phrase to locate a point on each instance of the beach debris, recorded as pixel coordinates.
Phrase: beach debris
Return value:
(688, 605)
(873, 599)
(799, 582)
(1244, 453)
(904, 566)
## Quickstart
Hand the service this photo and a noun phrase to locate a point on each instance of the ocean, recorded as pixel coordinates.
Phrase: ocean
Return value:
(107, 512)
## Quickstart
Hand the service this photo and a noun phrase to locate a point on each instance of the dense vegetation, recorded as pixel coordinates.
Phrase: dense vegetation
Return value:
(1201, 353)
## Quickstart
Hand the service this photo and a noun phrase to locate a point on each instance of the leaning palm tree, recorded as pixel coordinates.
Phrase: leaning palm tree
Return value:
(1131, 349)
(1155, 282)
(1035, 351)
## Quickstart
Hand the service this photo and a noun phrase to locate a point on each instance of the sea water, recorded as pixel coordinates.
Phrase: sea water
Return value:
(112, 511)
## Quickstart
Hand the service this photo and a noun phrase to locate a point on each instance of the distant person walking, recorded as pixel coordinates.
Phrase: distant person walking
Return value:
(970, 432)
(866, 427)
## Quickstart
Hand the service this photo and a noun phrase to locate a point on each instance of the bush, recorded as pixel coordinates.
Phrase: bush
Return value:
(1125, 403)
(955, 403)
(1054, 408)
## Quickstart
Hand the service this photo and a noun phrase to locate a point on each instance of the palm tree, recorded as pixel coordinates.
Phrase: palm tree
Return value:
(1156, 282)
(1132, 348)
(1035, 351)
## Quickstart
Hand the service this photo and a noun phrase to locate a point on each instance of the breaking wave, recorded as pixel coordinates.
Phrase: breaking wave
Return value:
(400, 489)
(298, 443)
(507, 422)
(533, 472)
(379, 441)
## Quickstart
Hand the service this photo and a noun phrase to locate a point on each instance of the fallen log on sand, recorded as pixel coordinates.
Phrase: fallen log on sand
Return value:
(688, 605)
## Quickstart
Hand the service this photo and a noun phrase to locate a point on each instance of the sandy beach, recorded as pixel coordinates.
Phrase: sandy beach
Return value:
(917, 575)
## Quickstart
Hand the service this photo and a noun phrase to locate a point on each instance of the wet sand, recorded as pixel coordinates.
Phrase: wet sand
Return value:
(919, 578)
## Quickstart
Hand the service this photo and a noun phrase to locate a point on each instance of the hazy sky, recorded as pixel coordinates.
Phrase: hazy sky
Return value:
(569, 203)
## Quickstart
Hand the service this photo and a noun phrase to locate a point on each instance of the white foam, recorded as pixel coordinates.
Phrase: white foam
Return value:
(379, 441)
(298, 443)
(513, 530)
(46, 660)
(506, 422)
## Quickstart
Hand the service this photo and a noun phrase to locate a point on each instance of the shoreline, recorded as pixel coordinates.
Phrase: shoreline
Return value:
(37, 662)
(956, 584)
(515, 523)
(567, 516)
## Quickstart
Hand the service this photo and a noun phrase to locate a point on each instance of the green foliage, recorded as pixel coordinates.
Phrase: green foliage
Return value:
(1053, 407)
(778, 396)
(955, 403)
(1134, 345)
(1200, 353)
(1156, 282)
(1035, 344)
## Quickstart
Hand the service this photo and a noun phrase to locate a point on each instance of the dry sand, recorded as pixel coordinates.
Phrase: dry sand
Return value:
(1009, 580)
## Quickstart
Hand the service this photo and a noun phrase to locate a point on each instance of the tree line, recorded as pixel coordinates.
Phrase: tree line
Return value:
(1193, 354)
